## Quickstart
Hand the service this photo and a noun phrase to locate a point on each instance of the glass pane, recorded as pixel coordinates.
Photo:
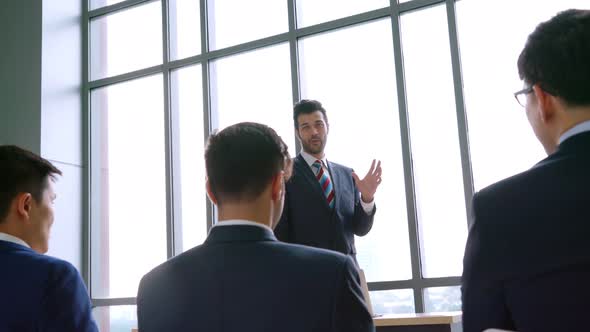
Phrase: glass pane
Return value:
(234, 22)
(351, 71)
(128, 40)
(116, 319)
(129, 185)
(434, 136)
(310, 12)
(185, 28)
(94, 4)
(256, 87)
(502, 142)
(441, 299)
(187, 105)
(398, 301)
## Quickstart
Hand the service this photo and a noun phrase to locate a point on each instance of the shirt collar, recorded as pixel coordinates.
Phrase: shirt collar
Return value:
(309, 159)
(240, 222)
(13, 239)
(577, 129)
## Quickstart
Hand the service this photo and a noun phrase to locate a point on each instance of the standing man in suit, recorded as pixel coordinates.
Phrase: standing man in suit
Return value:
(527, 260)
(38, 293)
(242, 278)
(326, 203)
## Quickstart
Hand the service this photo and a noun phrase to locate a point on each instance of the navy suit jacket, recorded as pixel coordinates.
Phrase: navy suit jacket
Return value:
(527, 260)
(41, 293)
(308, 219)
(242, 279)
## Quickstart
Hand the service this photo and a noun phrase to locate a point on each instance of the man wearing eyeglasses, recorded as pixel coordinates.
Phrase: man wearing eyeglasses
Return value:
(527, 260)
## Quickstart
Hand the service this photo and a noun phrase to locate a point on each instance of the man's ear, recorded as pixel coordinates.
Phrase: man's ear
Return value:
(210, 193)
(546, 103)
(23, 202)
(277, 186)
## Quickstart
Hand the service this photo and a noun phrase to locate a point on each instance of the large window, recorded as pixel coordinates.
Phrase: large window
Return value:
(425, 86)
(235, 99)
(364, 125)
(501, 142)
(440, 200)
(129, 165)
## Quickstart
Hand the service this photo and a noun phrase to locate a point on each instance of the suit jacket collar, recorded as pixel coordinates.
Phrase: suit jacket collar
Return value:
(579, 143)
(13, 239)
(575, 145)
(239, 233)
(11, 246)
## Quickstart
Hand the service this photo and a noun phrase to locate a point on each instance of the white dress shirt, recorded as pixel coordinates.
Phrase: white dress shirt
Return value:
(368, 207)
(13, 239)
(240, 222)
(577, 129)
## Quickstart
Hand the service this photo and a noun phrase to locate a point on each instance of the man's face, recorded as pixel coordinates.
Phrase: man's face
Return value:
(41, 219)
(312, 130)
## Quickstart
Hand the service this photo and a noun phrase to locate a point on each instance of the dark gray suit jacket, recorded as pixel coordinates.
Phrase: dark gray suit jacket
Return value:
(307, 219)
(527, 260)
(242, 279)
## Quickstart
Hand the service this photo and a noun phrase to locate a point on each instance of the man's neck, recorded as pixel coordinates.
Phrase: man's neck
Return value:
(244, 212)
(310, 159)
(319, 156)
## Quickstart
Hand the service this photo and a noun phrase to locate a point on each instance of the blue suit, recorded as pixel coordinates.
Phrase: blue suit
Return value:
(41, 293)
(242, 279)
(527, 260)
(307, 218)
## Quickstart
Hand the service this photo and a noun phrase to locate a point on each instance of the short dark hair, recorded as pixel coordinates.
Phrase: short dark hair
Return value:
(306, 106)
(242, 159)
(22, 171)
(557, 57)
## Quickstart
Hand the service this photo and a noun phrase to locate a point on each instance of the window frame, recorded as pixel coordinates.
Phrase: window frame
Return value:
(173, 227)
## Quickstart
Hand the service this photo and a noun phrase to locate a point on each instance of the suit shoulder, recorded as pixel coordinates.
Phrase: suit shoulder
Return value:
(511, 186)
(536, 175)
(52, 263)
(64, 270)
(340, 167)
(183, 259)
(57, 272)
(311, 254)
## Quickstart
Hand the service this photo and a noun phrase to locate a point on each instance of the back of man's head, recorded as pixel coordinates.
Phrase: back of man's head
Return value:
(242, 159)
(22, 171)
(557, 57)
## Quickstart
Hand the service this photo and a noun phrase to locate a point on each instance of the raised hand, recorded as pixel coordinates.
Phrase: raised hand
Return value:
(368, 185)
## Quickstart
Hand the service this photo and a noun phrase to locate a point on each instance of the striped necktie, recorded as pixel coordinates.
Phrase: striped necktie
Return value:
(325, 182)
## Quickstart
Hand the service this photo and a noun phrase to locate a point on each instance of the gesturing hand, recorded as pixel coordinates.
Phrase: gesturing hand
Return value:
(368, 185)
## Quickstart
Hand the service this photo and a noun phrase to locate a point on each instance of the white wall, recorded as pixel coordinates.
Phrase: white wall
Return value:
(40, 102)
(20, 73)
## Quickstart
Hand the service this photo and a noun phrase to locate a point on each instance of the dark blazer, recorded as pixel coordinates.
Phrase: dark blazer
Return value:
(41, 293)
(307, 218)
(242, 279)
(527, 260)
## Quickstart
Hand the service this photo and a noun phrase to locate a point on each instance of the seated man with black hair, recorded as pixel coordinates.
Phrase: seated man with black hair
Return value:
(37, 292)
(242, 278)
